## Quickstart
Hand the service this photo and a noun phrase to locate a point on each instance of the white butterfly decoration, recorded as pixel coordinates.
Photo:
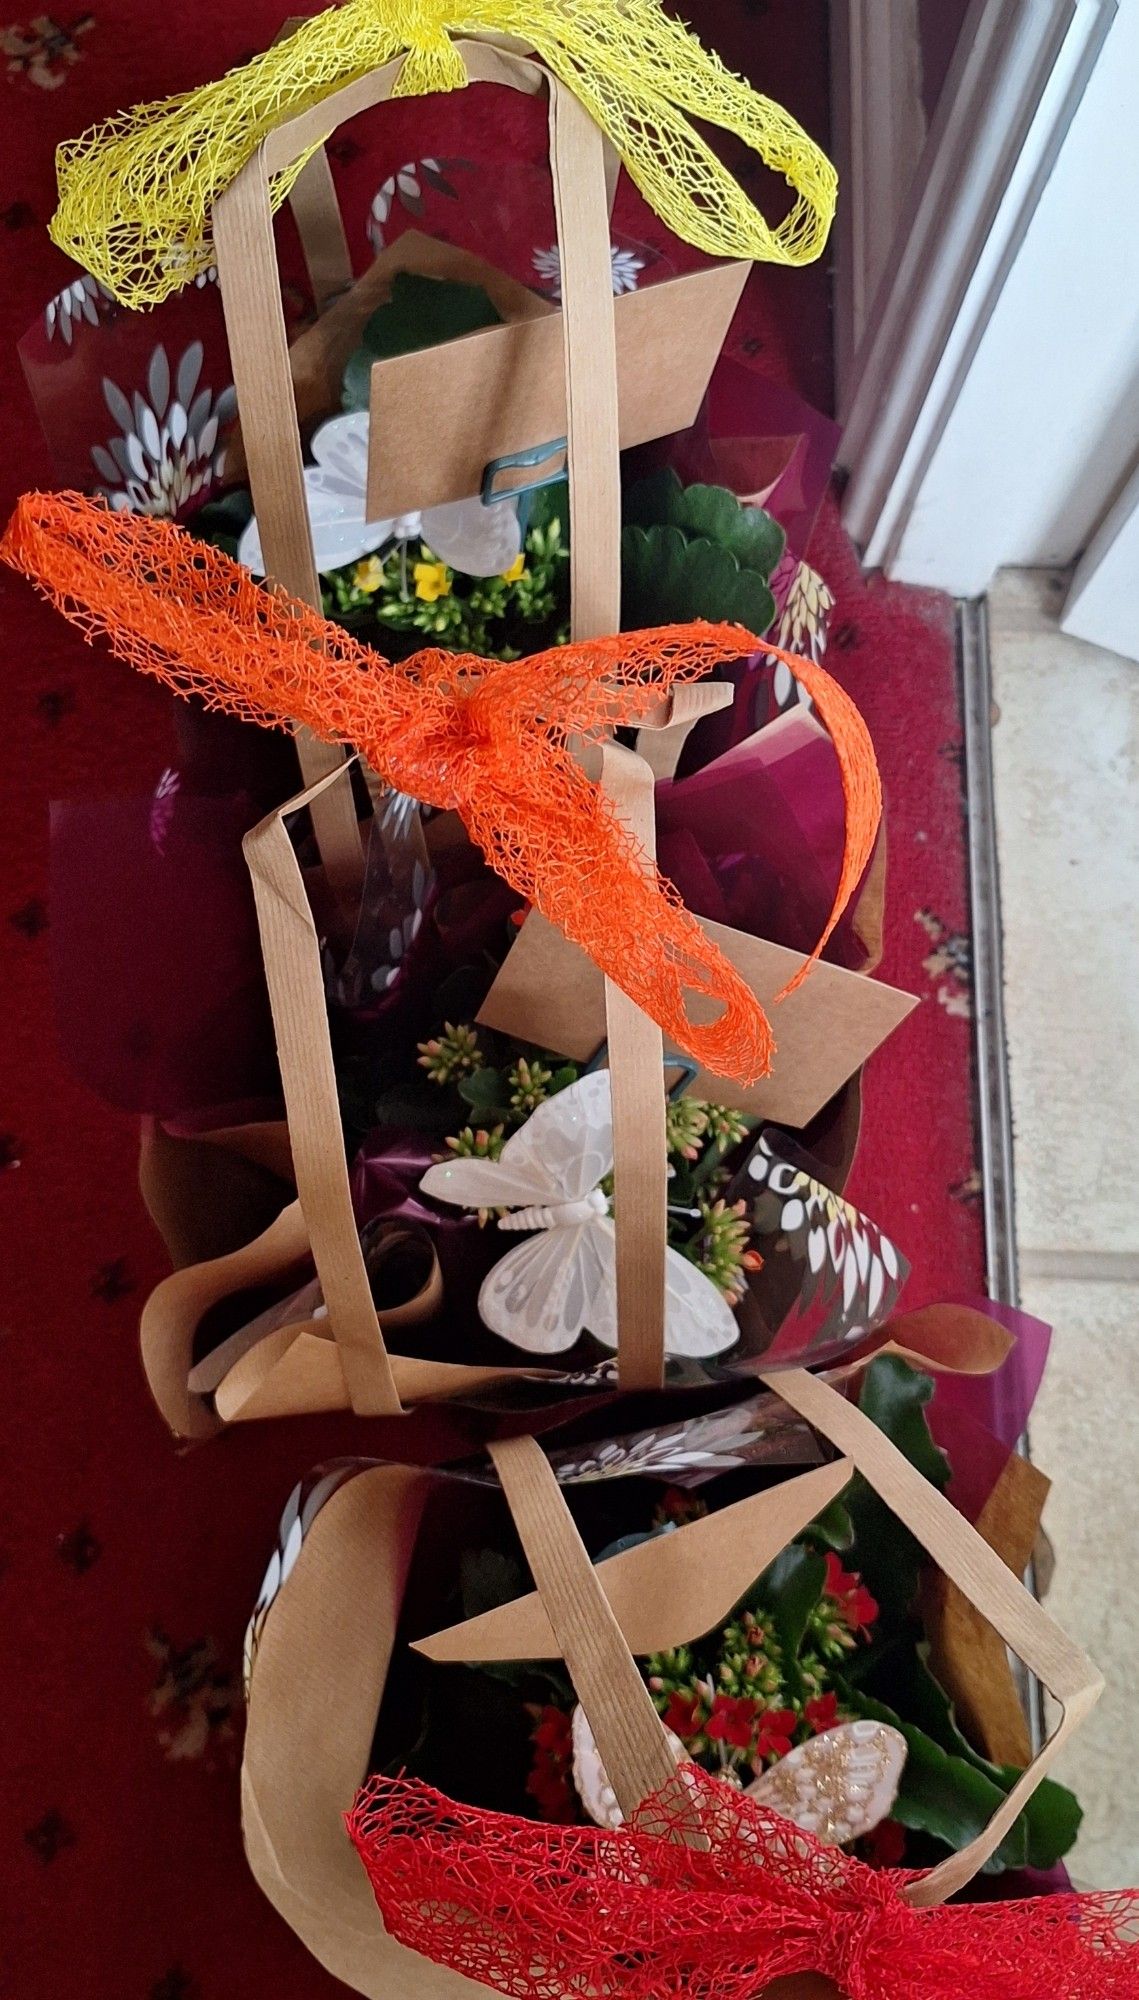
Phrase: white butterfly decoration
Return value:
(471, 537)
(838, 1786)
(548, 1290)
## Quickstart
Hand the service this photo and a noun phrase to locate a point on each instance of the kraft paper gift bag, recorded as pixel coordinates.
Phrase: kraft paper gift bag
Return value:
(328, 1636)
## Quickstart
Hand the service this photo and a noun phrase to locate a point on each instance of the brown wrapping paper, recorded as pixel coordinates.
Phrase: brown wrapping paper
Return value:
(320, 1666)
(827, 1029)
(967, 1654)
(502, 390)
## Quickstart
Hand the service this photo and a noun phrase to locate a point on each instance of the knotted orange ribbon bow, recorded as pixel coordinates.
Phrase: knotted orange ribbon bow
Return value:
(486, 739)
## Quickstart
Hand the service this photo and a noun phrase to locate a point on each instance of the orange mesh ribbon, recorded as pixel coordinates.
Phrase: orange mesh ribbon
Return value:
(539, 1911)
(486, 739)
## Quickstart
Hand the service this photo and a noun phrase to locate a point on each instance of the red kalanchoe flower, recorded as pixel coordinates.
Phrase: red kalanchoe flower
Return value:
(822, 1714)
(683, 1715)
(776, 1728)
(549, 1783)
(552, 1732)
(733, 1720)
(678, 1506)
(857, 1609)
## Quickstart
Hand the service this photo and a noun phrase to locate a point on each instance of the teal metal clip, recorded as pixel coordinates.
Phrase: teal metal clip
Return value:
(523, 461)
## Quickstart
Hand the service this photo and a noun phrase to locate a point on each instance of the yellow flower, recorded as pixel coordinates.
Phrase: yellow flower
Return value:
(369, 574)
(431, 581)
(517, 568)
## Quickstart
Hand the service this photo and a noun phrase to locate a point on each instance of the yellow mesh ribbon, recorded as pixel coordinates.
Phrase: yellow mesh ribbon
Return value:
(136, 192)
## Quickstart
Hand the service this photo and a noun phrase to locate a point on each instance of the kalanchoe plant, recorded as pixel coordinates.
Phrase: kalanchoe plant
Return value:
(745, 1695)
(686, 552)
(712, 1233)
(830, 1632)
(472, 1144)
(403, 597)
(450, 1055)
(407, 591)
(722, 1246)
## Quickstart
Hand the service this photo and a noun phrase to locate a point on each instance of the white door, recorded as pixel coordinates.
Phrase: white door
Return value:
(991, 391)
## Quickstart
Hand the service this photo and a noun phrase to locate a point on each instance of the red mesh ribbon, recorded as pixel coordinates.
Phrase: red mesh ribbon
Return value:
(539, 1912)
(486, 739)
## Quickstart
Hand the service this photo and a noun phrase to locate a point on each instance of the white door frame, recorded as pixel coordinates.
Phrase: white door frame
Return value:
(878, 132)
(1102, 604)
(1018, 76)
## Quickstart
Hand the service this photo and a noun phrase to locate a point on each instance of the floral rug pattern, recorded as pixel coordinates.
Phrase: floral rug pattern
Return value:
(128, 1571)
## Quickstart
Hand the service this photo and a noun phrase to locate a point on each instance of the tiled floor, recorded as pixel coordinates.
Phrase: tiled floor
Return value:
(1066, 765)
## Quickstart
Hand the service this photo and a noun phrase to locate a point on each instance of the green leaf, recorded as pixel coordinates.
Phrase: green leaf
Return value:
(488, 1578)
(753, 537)
(356, 383)
(942, 1795)
(791, 1588)
(833, 1527)
(707, 513)
(647, 502)
(222, 521)
(667, 579)
(421, 312)
(1053, 1814)
(485, 1091)
(1051, 1819)
(894, 1396)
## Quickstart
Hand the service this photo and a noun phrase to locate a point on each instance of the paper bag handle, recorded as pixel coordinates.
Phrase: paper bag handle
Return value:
(291, 951)
(629, 1734)
(582, 180)
(977, 1570)
(316, 213)
(259, 353)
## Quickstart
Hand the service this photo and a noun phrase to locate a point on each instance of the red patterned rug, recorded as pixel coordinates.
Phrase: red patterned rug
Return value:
(127, 1571)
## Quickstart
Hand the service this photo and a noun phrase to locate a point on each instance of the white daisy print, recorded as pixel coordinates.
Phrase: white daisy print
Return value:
(81, 301)
(405, 189)
(168, 449)
(802, 627)
(627, 268)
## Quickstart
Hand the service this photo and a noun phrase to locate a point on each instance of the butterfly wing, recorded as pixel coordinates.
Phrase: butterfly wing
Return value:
(486, 1184)
(698, 1321)
(838, 1786)
(477, 539)
(539, 1296)
(564, 1150)
(568, 1140)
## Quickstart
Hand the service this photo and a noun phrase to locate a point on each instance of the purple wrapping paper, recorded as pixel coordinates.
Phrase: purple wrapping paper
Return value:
(754, 838)
(385, 1179)
(979, 1419)
(766, 444)
(386, 1174)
